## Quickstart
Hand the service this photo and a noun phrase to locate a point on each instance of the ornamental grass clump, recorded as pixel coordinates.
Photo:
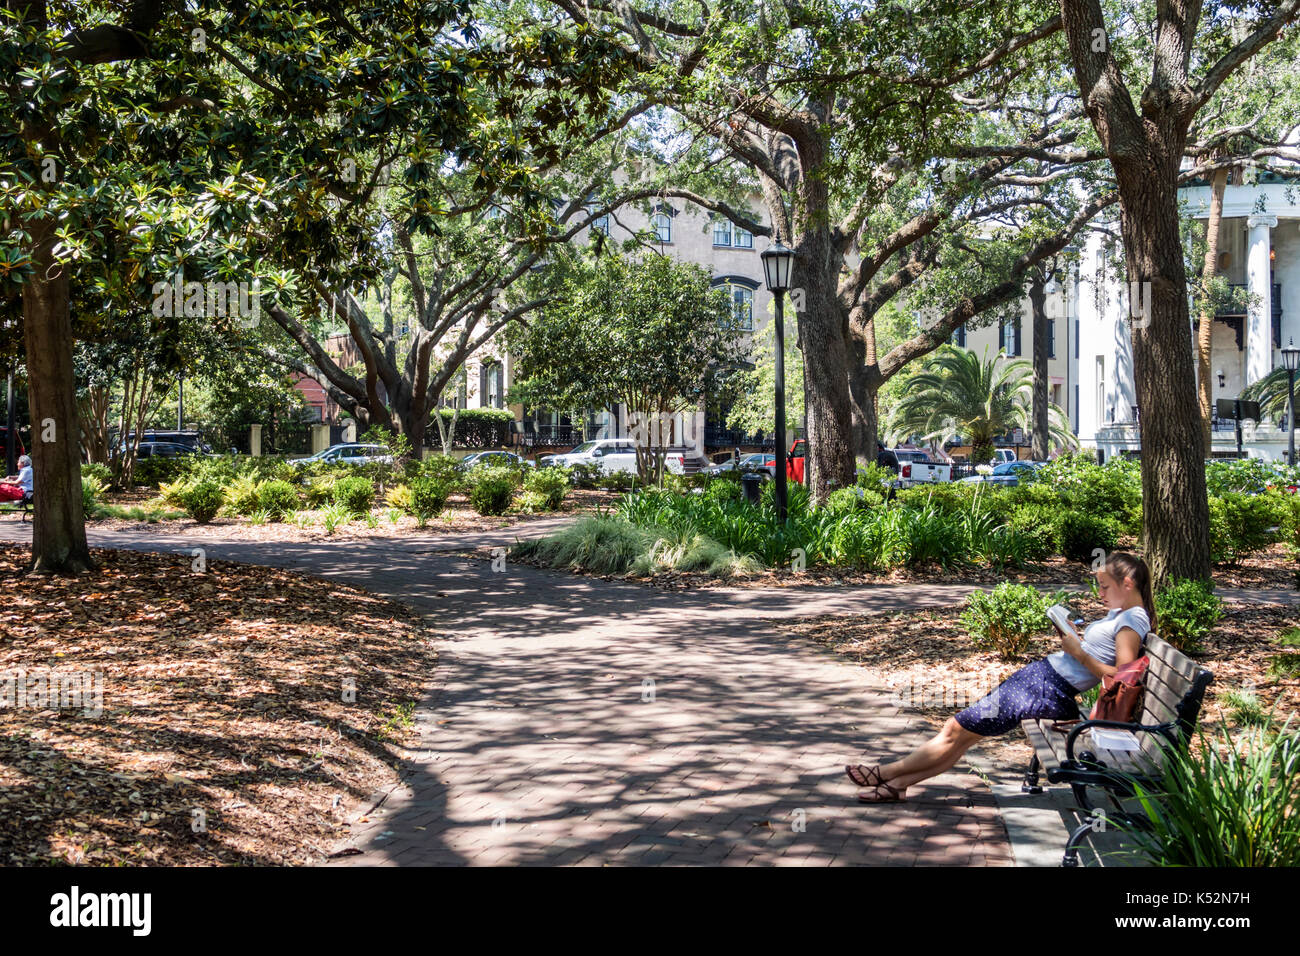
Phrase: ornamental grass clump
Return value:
(600, 545)
(1231, 801)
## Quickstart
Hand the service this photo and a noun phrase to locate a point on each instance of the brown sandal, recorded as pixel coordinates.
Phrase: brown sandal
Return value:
(894, 795)
(866, 777)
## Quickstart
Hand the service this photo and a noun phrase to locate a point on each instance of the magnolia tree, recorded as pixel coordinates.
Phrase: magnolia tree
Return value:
(225, 144)
(646, 333)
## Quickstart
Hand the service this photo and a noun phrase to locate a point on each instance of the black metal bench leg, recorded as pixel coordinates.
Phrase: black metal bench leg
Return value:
(1071, 857)
(1031, 777)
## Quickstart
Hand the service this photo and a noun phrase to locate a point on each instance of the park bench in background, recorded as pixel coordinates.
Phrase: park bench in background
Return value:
(24, 506)
(1171, 703)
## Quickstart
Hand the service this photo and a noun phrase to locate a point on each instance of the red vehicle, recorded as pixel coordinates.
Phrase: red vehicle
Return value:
(794, 461)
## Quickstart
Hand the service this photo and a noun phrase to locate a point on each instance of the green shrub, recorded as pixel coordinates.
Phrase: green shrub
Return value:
(1006, 618)
(334, 516)
(531, 502)
(101, 472)
(876, 478)
(399, 497)
(1082, 534)
(552, 484)
(173, 492)
(1040, 524)
(444, 469)
(723, 489)
(202, 500)
(428, 498)
(356, 493)
(278, 498)
(845, 501)
(1186, 612)
(586, 474)
(242, 495)
(492, 488)
(1241, 525)
(1230, 802)
(319, 490)
(92, 491)
(158, 468)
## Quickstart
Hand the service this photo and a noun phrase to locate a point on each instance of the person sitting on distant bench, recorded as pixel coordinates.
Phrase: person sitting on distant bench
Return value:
(18, 487)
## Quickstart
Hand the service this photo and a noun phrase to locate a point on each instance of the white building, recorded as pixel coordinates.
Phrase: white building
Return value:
(1259, 249)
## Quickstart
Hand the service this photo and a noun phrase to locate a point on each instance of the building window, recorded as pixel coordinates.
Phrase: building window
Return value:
(1011, 337)
(663, 227)
(491, 381)
(1051, 339)
(959, 336)
(600, 223)
(742, 307)
(725, 233)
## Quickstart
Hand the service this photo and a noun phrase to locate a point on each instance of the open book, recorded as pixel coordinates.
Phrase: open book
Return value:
(1060, 618)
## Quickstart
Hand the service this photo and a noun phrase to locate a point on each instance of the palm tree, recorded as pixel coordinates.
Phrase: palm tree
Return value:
(959, 392)
(1270, 392)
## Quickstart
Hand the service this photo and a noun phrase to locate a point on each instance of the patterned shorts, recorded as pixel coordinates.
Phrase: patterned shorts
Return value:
(1035, 690)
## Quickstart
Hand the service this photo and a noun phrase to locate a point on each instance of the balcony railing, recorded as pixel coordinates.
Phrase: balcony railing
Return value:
(717, 436)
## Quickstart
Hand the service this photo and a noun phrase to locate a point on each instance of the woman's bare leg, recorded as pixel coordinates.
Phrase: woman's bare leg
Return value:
(931, 758)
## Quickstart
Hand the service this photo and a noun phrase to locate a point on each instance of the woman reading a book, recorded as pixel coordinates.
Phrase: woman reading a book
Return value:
(1043, 689)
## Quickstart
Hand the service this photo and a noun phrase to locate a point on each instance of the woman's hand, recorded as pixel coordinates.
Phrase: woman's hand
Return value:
(1072, 646)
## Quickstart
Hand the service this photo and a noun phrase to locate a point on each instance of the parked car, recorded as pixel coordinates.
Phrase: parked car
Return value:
(163, 449)
(349, 453)
(492, 458)
(612, 455)
(1004, 454)
(916, 468)
(758, 461)
(1006, 473)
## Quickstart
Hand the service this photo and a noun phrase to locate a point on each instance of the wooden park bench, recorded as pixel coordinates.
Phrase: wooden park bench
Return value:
(1171, 703)
(11, 507)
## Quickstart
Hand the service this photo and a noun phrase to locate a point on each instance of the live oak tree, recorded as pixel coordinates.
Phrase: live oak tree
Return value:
(1186, 63)
(824, 112)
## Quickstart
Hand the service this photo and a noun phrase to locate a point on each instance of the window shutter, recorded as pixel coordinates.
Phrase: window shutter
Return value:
(1017, 337)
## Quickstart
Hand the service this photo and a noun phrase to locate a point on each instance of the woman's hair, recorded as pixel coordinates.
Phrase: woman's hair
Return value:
(1121, 565)
(24, 461)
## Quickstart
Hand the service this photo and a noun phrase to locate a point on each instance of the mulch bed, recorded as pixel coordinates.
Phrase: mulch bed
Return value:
(224, 736)
(928, 663)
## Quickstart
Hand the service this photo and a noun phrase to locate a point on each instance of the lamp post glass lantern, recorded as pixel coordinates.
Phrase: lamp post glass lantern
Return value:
(1290, 359)
(778, 261)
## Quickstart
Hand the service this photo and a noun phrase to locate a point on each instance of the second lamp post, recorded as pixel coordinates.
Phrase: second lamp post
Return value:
(1291, 359)
(777, 264)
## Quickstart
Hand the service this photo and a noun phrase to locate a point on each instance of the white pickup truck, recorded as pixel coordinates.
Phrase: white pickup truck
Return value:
(613, 455)
(916, 468)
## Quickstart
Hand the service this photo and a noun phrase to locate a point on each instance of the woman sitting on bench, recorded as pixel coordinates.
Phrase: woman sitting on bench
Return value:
(1043, 689)
(18, 487)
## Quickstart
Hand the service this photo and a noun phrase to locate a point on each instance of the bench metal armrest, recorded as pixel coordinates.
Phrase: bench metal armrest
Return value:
(1165, 730)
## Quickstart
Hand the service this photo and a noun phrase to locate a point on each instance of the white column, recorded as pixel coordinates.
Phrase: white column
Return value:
(255, 440)
(1259, 281)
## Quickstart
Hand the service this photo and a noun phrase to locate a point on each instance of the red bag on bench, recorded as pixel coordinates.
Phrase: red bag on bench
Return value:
(1121, 692)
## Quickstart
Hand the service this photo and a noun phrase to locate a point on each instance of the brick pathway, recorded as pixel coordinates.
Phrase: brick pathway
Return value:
(578, 721)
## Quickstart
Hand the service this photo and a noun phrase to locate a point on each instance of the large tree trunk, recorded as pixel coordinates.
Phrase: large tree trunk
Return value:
(864, 387)
(826, 344)
(58, 524)
(1037, 303)
(1205, 330)
(1174, 507)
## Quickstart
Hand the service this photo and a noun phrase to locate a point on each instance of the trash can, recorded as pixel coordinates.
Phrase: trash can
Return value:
(752, 485)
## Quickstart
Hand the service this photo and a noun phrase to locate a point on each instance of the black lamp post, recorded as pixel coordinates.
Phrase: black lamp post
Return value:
(777, 264)
(1291, 359)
